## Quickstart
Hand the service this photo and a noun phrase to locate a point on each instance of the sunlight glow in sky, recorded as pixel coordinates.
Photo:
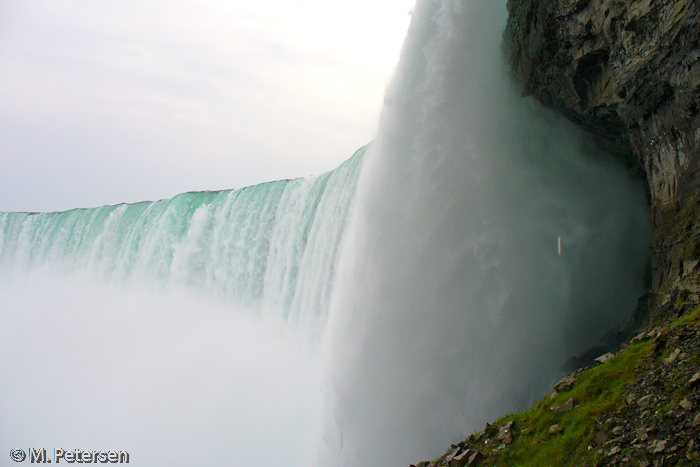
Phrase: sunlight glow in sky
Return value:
(108, 102)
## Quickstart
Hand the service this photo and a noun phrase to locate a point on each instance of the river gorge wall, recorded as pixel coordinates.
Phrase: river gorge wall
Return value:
(629, 73)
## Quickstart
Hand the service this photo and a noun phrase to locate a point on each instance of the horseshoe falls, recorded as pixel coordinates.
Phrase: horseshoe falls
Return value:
(181, 331)
(269, 247)
(365, 317)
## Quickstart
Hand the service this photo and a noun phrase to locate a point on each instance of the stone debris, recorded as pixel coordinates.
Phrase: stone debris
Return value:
(565, 383)
(642, 433)
(462, 458)
(601, 437)
(639, 337)
(659, 446)
(686, 404)
(654, 425)
(693, 380)
(645, 401)
(672, 357)
(565, 407)
(504, 434)
(451, 455)
(605, 357)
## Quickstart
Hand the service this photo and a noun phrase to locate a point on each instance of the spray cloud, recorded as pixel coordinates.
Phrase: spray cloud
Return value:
(452, 303)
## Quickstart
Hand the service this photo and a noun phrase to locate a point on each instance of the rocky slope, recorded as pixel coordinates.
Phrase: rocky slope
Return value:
(640, 407)
(629, 73)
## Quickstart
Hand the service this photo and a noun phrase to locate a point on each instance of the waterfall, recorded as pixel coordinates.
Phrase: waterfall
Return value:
(271, 247)
(183, 331)
(364, 317)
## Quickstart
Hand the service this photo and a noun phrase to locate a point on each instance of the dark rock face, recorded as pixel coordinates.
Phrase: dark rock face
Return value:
(629, 72)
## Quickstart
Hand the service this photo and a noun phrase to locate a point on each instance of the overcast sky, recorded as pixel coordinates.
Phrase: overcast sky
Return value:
(103, 102)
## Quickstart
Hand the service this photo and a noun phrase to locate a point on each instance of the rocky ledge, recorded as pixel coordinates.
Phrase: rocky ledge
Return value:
(639, 407)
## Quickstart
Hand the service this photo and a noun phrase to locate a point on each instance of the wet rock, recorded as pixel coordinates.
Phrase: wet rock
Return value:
(628, 72)
(474, 458)
(614, 451)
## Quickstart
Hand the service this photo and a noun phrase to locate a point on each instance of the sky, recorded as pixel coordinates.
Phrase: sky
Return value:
(105, 102)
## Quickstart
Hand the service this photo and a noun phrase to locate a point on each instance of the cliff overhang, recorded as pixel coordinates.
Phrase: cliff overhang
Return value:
(629, 73)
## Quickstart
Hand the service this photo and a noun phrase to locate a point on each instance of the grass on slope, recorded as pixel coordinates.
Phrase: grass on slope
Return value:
(597, 391)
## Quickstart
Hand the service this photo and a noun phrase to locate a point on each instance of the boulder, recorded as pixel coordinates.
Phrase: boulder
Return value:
(604, 358)
(504, 434)
(565, 407)
(565, 383)
(601, 437)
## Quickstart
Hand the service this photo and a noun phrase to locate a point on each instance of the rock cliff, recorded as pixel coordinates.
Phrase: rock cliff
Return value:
(628, 72)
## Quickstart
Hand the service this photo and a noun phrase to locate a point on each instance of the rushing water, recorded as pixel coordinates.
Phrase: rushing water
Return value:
(182, 331)
(271, 247)
(358, 318)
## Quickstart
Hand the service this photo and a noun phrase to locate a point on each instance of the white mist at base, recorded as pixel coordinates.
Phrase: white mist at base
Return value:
(183, 331)
(452, 306)
(170, 378)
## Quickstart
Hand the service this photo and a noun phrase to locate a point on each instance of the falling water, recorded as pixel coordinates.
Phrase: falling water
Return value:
(452, 305)
(485, 243)
(183, 331)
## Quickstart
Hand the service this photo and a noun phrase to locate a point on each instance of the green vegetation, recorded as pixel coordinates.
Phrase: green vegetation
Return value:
(644, 389)
(689, 319)
(597, 392)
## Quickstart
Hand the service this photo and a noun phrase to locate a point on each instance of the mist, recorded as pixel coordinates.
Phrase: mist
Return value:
(171, 378)
(452, 305)
(183, 331)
